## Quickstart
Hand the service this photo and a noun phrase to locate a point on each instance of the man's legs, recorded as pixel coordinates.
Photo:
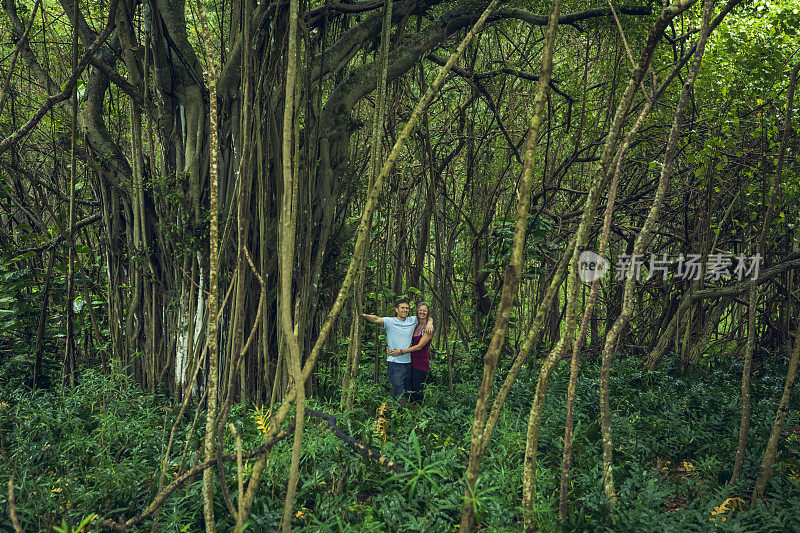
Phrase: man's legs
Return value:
(399, 375)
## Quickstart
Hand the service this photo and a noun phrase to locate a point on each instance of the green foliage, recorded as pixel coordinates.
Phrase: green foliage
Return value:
(21, 295)
(98, 450)
(19, 298)
(65, 528)
(94, 450)
(537, 230)
(420, 474)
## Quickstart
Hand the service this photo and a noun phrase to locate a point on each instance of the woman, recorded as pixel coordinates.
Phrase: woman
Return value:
(420, 363)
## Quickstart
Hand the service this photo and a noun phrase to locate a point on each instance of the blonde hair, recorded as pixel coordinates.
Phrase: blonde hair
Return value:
(426, 304)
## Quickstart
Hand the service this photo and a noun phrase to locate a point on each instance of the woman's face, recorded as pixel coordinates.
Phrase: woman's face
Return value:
(422, 312)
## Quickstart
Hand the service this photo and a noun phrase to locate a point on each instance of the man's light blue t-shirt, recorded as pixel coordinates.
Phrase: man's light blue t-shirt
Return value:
(398, 336)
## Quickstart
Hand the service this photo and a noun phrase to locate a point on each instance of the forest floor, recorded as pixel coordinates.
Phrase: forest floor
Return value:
(98, 450)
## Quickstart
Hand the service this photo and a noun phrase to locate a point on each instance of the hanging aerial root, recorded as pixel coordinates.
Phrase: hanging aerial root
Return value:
(12, 507)
(363, 449)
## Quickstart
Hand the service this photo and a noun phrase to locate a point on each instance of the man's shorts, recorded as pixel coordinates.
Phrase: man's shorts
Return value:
(400, 377)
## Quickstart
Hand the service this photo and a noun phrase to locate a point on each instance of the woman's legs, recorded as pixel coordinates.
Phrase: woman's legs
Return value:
(418, 385)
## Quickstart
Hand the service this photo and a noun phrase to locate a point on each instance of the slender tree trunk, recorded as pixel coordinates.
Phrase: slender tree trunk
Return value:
(587, 315)
(589, 307)
(213, 297)
(37, 360)
(613, 335)
(744, 425)
(383, 278)
(69, 352)
(765, 472)
(287, 235)
(354, 348)
(243, 178)
(512, 273)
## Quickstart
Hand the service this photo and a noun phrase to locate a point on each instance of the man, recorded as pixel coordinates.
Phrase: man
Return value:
(399, 330)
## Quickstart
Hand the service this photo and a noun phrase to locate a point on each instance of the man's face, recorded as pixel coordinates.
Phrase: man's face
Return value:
(402, 310)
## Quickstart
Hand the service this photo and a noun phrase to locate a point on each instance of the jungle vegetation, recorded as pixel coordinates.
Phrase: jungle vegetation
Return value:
(198, 199)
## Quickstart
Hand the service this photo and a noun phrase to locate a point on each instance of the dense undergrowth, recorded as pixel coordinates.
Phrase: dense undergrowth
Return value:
(98, 450)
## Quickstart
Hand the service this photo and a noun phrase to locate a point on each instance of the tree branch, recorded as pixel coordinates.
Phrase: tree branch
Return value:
(320, 15)
(570, 18)
(53, 242)
(363, 449)
(118, 80)
(189, 474)
(12, 139)
(505, 70)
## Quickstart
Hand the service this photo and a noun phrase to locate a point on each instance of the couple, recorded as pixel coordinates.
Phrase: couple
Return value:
(408, 341)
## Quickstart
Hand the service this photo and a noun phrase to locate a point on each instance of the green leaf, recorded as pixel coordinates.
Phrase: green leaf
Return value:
(20, 257)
